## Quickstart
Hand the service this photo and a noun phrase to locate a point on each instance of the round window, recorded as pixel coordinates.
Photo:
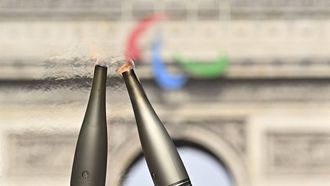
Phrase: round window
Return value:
(202, 167)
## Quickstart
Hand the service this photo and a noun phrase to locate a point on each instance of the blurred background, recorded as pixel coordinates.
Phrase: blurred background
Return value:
(243, 87)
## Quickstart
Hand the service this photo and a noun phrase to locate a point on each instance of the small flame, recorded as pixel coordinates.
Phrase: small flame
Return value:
(128, 65)
(98, 58)
(95, 56)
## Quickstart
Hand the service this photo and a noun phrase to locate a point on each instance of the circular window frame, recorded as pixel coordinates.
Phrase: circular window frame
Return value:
(130, 152)
(179, 143)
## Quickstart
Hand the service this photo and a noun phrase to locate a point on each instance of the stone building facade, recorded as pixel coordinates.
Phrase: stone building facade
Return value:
(267, 119)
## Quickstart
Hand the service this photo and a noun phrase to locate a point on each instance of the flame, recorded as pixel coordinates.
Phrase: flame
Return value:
(98, 57)
(128, 65)
(95, 56)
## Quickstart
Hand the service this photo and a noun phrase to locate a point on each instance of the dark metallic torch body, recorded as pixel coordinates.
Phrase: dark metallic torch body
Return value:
(163, 160)
(90, 160)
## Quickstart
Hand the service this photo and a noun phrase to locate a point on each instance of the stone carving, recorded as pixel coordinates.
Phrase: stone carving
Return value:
(40, 154)
(231, 131)
(298, 152)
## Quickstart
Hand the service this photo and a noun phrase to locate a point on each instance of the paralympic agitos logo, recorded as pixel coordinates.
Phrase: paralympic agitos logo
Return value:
(167, 81)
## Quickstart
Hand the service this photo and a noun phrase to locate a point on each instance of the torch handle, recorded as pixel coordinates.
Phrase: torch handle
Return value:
(90, 160)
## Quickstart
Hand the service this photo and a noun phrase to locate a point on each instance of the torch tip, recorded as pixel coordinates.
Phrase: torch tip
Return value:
(101, 65)
(126, 67)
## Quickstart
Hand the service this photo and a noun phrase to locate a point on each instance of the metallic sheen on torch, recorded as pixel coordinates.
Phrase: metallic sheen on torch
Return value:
(163, 160)
(90, 160)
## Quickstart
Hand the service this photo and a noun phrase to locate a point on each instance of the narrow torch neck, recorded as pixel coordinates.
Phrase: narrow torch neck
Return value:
(163, 160)
(96, 103)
